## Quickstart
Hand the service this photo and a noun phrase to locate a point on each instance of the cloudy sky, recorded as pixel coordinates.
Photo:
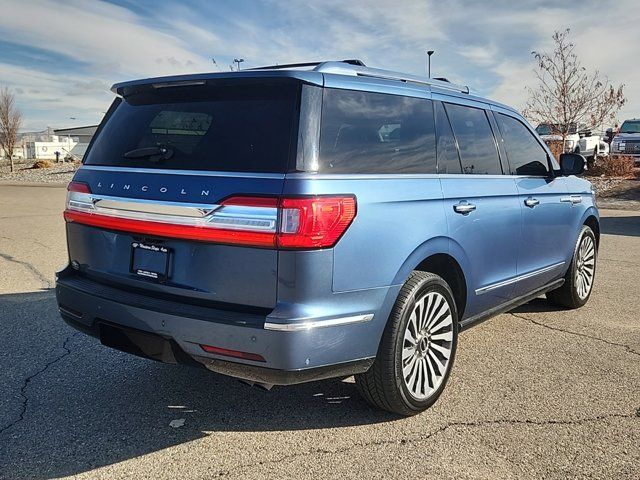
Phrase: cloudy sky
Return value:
(61, 57)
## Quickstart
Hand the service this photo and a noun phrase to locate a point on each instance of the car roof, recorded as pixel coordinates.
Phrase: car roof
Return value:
(353, 72)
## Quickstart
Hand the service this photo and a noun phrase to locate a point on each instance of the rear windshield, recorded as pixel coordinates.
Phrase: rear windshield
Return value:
(236, 128)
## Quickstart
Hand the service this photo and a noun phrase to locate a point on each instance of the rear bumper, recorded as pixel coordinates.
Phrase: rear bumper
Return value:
(150, 328)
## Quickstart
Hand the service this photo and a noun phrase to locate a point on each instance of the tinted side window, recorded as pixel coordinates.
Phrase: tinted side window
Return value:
(478, 151)
(364, 132)
(526, 155)
(448, 158)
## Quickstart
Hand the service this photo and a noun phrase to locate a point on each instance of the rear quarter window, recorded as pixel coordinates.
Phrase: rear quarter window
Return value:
(241, 128)
(365, 132)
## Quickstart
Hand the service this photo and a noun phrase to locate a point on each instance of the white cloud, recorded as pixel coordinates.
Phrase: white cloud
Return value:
(96, 32)
(485, 44)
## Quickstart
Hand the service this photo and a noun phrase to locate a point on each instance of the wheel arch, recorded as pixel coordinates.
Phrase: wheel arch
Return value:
(437, 256)
(592, 221)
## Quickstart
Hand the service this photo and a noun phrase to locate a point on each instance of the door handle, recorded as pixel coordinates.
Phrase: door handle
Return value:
(464, 207)
(531, 202)
(573, 199)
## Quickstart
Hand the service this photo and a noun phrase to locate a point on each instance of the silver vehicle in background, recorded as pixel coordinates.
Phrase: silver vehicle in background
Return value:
(627, 140)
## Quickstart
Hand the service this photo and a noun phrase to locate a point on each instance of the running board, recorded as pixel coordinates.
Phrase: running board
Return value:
(510, 305)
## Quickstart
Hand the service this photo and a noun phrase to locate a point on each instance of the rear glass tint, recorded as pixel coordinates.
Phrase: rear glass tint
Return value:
(364, 132)
(448, 158)
(476, 143)
(233, 128)
(526, 155)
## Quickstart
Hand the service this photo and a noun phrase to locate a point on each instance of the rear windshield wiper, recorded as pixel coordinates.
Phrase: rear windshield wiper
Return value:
(152, 153)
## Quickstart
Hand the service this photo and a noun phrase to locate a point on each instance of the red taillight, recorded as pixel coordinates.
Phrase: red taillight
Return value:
(161, 229)
(233, 353)
(314, 222)
(301, 222)
(79, 187)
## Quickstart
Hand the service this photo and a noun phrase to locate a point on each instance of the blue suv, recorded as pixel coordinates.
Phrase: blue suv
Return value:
(301, 222)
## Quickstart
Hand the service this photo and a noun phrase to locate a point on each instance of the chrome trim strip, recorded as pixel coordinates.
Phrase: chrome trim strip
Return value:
(229, 217)
(195, 173)
(157, 207)
(493, 286)
(308, 325)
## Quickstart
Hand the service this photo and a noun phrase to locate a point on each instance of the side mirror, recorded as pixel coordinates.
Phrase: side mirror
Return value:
(572, 164)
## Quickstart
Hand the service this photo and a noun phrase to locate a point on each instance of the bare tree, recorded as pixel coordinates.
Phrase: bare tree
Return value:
(10, 122)
(567, 94)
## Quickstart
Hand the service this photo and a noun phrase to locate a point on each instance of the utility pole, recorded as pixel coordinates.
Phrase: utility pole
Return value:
(430, 52)
(238, 61)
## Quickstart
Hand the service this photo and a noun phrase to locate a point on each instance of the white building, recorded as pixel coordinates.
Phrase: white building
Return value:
(77, 139)
(47, 150)
(67, 142)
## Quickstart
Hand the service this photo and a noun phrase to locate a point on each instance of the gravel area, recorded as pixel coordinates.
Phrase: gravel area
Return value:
(603, 184)
(59, 173)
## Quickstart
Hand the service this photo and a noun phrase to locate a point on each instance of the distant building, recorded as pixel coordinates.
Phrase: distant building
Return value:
(75, 140)
(80, 134)
(68, 142)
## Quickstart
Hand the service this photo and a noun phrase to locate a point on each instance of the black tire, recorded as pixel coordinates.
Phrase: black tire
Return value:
(384, 385)
(569, 294)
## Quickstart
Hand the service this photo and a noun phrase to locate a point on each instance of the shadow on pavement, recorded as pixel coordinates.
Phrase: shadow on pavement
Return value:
(537, 305)
(86, 406)
(627, 226)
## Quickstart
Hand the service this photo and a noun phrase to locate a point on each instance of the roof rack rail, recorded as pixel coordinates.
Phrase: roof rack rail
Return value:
(355, 62)
(343, 68)
(355, 67)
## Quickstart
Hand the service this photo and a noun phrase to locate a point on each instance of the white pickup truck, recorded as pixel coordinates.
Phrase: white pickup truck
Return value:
(579, 139)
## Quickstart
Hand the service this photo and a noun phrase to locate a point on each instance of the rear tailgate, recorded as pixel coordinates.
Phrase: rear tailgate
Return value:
(162, 164)
(202, 270)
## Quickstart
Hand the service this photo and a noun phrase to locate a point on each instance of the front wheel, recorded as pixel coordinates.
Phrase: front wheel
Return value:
(578, 281)
(417, 348)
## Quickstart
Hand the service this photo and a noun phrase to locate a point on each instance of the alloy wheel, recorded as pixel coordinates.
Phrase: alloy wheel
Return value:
(585, 266)
(426, 349)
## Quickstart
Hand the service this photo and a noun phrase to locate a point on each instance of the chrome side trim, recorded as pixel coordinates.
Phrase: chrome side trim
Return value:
(493, 286)
(308, 325)
(195, 173)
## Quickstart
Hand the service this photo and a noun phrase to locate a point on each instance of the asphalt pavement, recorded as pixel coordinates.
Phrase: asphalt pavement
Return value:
(535, 393)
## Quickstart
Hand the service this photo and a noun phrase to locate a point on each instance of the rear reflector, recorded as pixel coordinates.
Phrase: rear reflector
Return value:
(305, 222)
(233, 353)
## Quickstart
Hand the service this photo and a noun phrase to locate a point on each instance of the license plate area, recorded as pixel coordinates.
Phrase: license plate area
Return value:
(150, 261)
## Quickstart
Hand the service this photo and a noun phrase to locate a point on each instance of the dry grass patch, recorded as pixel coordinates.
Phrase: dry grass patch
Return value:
(43, 164)
(614, 166)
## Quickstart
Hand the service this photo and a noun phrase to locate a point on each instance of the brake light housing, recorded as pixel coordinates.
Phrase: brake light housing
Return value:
(314, 222)
(288, 222)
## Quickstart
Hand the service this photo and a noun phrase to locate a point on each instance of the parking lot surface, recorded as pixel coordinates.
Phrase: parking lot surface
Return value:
(538, 392)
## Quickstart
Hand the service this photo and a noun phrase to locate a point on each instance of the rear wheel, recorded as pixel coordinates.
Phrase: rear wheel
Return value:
(417, 348)
(578, 281)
